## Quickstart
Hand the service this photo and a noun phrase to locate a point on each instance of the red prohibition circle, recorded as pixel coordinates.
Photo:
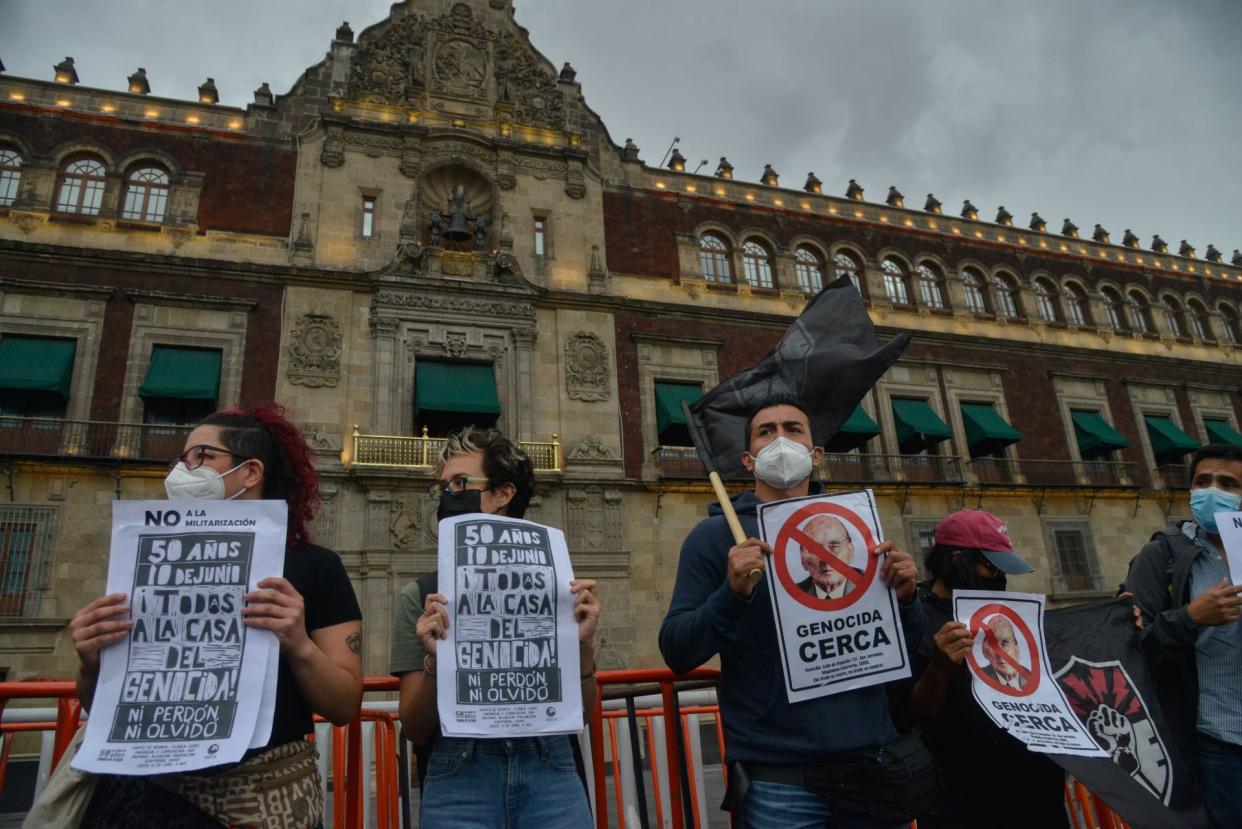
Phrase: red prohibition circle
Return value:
(976, 624)
(786, 537)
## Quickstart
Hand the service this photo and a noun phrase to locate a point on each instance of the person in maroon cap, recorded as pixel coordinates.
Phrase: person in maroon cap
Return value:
(988, 778)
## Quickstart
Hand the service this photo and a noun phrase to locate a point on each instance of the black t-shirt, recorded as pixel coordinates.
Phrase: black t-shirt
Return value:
(989, 778)
(328, 597)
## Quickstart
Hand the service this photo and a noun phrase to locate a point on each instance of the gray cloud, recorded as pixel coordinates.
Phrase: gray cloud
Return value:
(1122, 112)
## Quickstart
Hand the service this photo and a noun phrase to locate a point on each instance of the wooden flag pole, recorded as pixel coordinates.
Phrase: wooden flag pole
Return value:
(722, 494)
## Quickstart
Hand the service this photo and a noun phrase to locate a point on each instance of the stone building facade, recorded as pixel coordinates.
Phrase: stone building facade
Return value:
(435, 199)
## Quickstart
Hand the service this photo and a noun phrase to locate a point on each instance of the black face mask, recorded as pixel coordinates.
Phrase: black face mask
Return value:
(459, 503)
(962, 573)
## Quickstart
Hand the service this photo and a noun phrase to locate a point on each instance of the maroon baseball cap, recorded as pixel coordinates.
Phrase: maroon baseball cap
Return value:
(976, 529)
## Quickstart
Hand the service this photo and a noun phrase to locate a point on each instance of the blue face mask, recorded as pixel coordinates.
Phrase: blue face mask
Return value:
(1206, 502)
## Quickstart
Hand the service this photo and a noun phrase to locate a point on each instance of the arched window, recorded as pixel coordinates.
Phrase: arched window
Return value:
(1230, 318)
(1113, 304)
(757, 264)
(714, 258)
(81, 187)
(976, 293)
(1046, 300)
(1140, 313)
(1175, 316)
(809, 269)
(1199, 325)
(846, 265)
(895, 286)
(1006, 296)
(10, 175)
(146, 195)
(1076, 310)
(931, 289)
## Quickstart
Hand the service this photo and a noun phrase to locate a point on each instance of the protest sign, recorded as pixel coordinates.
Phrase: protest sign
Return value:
(509, 664)
(1012, 676)
(836, 620)
(184, 691)
(1230, 526)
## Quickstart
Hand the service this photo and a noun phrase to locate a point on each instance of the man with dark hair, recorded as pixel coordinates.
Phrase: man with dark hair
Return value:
(774, 747)
(1191, 636)
(978, 761)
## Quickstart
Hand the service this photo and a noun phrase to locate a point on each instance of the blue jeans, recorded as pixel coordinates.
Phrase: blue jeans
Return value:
(782, 806)
(528, 783)
(779, 806)
(1220, 777)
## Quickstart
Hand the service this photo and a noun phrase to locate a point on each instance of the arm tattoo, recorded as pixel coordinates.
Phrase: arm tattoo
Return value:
(354, 641)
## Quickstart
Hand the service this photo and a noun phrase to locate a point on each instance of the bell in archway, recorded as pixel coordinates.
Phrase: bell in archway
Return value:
(458, 230)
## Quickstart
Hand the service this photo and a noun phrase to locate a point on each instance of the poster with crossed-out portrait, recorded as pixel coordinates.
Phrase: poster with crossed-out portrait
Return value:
(1011, 676)
(836, 619)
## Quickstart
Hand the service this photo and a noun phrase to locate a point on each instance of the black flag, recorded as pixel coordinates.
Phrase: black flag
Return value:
(1095, 655)
(829, 358)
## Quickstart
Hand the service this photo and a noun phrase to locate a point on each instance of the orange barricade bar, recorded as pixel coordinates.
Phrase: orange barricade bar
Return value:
(351, 785)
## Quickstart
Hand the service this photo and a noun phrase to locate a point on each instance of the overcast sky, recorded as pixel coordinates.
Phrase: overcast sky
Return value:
(1123, 112)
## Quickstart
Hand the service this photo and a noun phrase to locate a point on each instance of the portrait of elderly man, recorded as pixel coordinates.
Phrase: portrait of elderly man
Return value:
(824, 581)
(999, 668)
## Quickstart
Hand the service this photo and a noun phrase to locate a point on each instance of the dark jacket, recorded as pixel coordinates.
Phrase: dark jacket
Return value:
(705, 618)
(1159, 578)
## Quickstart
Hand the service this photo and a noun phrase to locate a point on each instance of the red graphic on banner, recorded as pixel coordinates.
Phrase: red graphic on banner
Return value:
(1028, 678)
(792, 532)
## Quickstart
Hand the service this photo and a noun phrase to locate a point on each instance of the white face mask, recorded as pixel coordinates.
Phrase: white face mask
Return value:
(202, 484)
(783, 463)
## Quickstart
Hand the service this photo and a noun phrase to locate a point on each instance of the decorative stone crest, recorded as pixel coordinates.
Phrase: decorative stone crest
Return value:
(590, 448)
(455, 345)
(315, 351)
(586, 367)
(460, 68)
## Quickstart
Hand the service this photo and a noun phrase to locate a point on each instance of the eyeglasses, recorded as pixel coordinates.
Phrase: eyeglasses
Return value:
(194, 456)
(454, 486)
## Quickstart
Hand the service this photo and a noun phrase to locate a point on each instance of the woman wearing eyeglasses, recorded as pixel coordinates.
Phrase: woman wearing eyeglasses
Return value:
(523, 783)
(311, 608)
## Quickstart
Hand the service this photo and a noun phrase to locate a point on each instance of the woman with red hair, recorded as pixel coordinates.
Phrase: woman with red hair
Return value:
(311, 609)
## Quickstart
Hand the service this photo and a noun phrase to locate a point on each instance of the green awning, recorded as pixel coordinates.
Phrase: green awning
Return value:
(182, 374)
(462, 388)
(1095, 436)
(36, 364)
(668, 400)
(1219, 431)
(986, 430)
(855, 432)
(915, 419)
(1166, 439)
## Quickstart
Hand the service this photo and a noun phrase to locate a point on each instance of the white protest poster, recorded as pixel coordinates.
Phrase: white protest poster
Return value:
(1011, 676)
(836, 620)
(1230, 526)
(509, 664)
(185, 690)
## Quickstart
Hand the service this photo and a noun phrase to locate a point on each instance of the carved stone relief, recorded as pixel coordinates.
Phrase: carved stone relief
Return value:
(586, 367)
(322, 441)
(594, 519)
(315, 351)
(404, 524)
(333, 153)
(591, 448)
(323, 527)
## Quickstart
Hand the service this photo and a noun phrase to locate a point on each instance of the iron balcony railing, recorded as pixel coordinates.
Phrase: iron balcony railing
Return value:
(682, 463)
(90, 439)
(1006, 471)
(1174, 476)
(421, 451)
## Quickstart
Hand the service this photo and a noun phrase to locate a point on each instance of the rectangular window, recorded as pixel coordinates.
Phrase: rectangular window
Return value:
(368, 217)
(1074, 553)
(541, 236)
(922, 539)
(25, 540)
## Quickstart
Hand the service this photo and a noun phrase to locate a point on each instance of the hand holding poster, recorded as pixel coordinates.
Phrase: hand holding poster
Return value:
(1230, 526)
(836, 620)
(185, 690)
(508, 666)
(1011, 675)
